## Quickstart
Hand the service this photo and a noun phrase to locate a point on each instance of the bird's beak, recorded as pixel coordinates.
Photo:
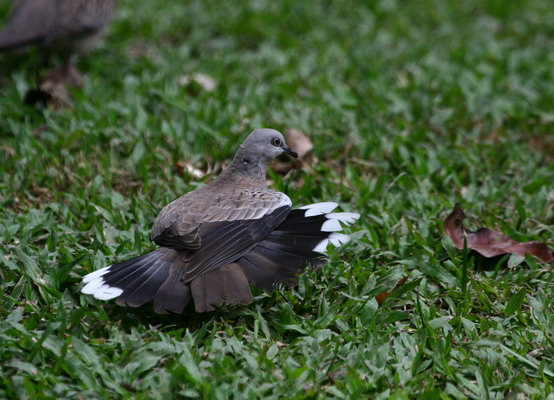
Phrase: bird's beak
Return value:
(290, 151)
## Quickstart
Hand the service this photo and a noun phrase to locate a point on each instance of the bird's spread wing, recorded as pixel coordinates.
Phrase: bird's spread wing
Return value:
(216, 229)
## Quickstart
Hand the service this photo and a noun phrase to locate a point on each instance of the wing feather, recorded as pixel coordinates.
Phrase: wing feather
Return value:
(226, 241)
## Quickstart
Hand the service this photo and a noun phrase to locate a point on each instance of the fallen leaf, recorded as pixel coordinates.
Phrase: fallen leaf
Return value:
(37, 132)
(490, 243)
(204, 81)
(284, 167)
(180, 167)
(299, 142)
(55, 88)
(381, 297)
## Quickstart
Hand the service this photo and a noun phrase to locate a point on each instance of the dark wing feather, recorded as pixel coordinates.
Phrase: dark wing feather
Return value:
(123, 274)
(224, 286)
(226, 241)
(144, 288)
(173, 295)
(286, 251)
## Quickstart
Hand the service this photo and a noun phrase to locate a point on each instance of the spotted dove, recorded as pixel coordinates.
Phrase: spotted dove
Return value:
(61, 28)
(218, 240)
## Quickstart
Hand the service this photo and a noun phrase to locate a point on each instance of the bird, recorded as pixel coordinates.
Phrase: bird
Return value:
(218, 240)
(62, 28)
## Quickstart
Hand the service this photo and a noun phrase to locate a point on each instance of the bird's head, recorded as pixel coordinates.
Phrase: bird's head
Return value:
(265, 145)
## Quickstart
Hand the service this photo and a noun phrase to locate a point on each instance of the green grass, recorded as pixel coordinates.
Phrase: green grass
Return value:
(412, 106)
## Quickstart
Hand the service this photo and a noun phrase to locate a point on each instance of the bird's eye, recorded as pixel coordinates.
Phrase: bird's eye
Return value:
(276, 142)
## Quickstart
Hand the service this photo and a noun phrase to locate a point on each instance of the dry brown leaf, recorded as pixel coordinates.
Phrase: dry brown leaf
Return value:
(381, 297)
(299, 142)
(284, 167)
(180, 167)
(204, 81)
(55, 88)
(37, 132)
(491, 243)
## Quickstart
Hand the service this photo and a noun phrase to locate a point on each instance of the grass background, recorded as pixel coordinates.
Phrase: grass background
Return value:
(411, 106)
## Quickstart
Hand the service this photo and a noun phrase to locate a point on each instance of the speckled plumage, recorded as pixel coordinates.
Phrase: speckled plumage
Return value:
(217, 202)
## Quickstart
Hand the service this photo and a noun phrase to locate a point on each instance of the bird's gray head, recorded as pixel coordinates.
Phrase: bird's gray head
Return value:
(263, 145)
(254, 156)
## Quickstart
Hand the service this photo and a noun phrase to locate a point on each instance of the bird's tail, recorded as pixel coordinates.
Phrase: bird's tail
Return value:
(300, 240)
(153, 276)
(158, 276)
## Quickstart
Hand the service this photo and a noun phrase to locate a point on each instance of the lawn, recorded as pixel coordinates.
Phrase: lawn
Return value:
(411, 107)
